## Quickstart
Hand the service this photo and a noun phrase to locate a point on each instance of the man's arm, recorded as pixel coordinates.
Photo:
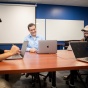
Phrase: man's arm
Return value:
(32, 50)
(5, 55)
(5, 51)
(14, 50)
(28, 48)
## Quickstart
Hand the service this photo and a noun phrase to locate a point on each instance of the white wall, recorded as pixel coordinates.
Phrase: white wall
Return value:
(15, 19)
(64, 29)
(40, 26)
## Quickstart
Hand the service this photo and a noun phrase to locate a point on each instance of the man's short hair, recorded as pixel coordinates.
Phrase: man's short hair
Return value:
(30, 25)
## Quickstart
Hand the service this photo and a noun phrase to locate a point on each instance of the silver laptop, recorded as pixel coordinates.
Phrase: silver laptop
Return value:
(21, 55)
(80, 50)
(47, 46)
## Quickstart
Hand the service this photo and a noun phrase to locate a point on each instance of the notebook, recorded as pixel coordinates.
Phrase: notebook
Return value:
(80, 50)
(21, 55)
(47, 46)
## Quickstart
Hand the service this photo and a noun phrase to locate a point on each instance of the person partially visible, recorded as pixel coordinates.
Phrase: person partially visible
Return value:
(7, 53)
(4, 84)
(33, 38)
(3, 55)
(85, 31)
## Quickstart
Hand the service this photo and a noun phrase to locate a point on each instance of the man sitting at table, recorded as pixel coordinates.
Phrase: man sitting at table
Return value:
(33, 38)
(85, 32)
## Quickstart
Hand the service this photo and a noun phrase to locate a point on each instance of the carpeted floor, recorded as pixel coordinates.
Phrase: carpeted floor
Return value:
(24, 82)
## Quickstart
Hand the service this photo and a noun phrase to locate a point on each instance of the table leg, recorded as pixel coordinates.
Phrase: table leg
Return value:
(53, 79)
(6, 77)
(72, 75)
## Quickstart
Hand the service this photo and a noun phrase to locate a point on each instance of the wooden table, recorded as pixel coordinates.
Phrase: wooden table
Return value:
(69, 55)
(70, 62)
(32, 62)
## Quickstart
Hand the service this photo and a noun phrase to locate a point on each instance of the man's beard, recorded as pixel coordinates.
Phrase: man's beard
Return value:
(86, 38)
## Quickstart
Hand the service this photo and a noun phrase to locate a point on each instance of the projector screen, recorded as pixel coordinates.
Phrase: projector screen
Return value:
(15, 19)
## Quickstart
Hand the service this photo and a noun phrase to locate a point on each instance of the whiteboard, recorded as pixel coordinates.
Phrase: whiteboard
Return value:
(15, 19)
(64, 29)
(40, 26)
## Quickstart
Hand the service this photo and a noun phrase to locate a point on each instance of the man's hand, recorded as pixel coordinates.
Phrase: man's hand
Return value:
(33, 50)
(15, 50)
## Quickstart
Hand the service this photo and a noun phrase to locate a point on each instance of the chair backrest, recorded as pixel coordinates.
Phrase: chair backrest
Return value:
(66, 44)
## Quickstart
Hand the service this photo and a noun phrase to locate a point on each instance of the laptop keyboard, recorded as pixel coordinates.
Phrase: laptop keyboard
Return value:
(17, 56)
(85, 59)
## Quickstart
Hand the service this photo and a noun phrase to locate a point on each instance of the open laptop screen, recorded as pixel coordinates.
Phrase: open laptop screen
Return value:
(21, 55)
(80, 49)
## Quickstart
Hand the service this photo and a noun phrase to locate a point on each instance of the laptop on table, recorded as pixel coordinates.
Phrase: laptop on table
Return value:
(21, 55)
(47, 46)
(80, 50)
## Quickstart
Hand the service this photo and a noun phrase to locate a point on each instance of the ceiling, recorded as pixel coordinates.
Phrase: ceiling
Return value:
(83, 3)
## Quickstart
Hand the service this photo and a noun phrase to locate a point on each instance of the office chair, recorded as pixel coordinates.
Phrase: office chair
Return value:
(87, 80)
(77, 75)
(48, 75)
(36, 78)
(66, 44)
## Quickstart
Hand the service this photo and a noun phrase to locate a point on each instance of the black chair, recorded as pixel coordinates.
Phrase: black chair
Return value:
(36, 78)
(77, 75)
(66, 44)
(87, 80)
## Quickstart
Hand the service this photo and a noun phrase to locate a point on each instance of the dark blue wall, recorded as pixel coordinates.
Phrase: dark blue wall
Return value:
(62, 12)
(8, 46)
(58, 12)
